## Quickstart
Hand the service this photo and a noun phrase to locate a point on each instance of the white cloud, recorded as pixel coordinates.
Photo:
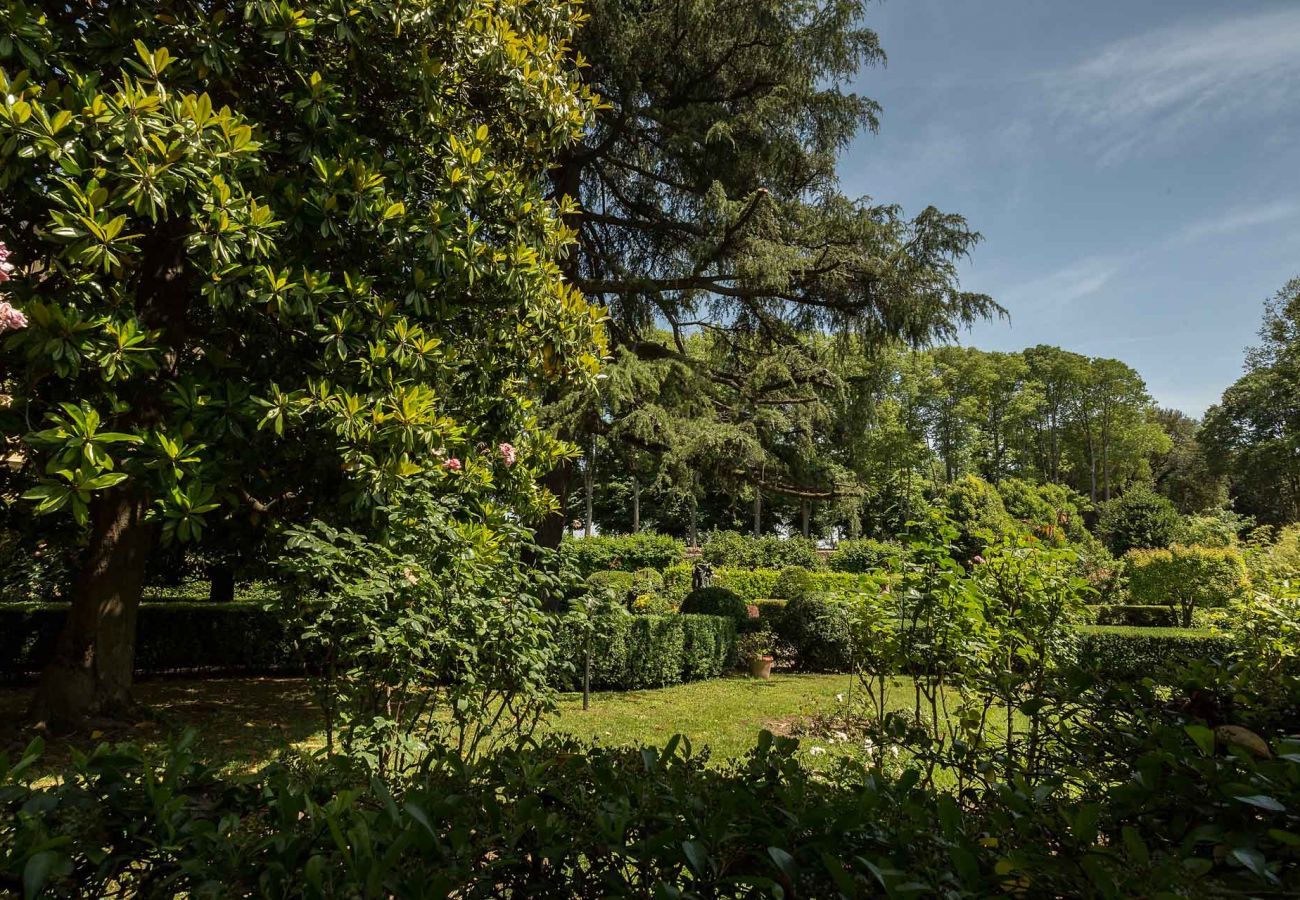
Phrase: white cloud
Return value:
(1239, 219)
(1065, 285)
(1162, 86)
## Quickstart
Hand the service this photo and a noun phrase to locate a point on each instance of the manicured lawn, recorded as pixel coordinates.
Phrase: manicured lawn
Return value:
(244, 722)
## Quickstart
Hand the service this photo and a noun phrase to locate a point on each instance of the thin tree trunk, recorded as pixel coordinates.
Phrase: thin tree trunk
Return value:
(804, 515)
(94, 660)
(636, 505)
(588, 487)
(694, 534)
(758, 512)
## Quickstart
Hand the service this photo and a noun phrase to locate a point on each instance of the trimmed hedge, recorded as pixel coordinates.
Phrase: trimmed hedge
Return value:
(172, 638)
(818, 630)
(762, 584)
(733, 549)
(1125, 653)
(717, 601)
(623, 552)
(1138, 615)
(865, 555)
(649, 651)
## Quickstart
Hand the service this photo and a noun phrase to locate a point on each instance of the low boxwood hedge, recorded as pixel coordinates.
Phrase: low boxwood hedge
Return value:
(648, 651)
(1139, 615)
(173, 637)
(1125, 653)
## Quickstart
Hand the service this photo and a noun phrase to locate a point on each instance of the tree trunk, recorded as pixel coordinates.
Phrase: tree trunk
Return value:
(636, 505)
(221, 587)
(804, 515)
(550, 530)
(588, 488)
(694, 536)
(758, 512)
(94, 659)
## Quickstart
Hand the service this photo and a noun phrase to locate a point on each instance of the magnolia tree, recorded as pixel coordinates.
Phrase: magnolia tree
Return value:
(267, 262)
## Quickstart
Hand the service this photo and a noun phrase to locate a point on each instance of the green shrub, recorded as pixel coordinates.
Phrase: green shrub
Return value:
(647, 581)
(866, 555)
(770, 612)
(1140, 616)
(731, 548)
(792, 582)
(749, 584)
(652, 605)
(1125, 653)
(677, 582)
(1138, 519)
(1187, 578)
(619, 584)
(817, 628)
(632, 652)
(171, 638)
(976, 508)
(1219, 527)
(1051, 512)
(717, 601)
(624, 552)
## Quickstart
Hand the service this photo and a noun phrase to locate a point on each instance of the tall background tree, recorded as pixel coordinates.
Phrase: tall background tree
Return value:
(271, 262)
(709, 193)
(1253, 434)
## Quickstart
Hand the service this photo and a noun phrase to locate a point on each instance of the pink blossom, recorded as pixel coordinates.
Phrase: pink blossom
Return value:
(507, 453)
(6, 267)
(979, 560)
(751, 609)
(453, 464)
(11, 319)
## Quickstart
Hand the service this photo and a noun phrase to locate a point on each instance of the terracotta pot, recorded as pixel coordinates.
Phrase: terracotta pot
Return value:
(761, 667)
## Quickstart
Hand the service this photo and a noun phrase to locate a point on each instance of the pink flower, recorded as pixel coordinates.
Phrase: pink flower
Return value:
(11, 319)
(751, 609)
(6, 267)
(507, 453)
(979, 560)
(453, 464)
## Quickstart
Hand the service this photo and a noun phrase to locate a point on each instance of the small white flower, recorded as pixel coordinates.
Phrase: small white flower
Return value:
(895, 751)
(816, 751)
(840, 736)
(839, 698)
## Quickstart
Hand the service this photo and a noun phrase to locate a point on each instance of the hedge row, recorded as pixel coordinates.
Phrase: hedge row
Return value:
(1138, 615)
(184, 638)
(648, 651)
(765, 584)
(174, 637)
(1126, 653)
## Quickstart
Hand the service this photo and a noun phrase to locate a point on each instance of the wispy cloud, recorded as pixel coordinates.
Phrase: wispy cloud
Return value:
(1162, 86)
(1238, 219)
(1067, 284)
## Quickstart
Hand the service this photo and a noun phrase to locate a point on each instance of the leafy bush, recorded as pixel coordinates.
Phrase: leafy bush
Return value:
(817, 628)
(172, 638)
(1052, 512)
(1188, 578)
(717, 601)
(652, 605)
(677, 582)
(976, 508)
(1219, 527)
(792, 582)
(731, 548)
(1138, 519)
(623, 552)
(749, 584)
(1137, 615)
(865, 555)
(569, 819)
(619, 584)
(631, 652)
(1123, 653)
(770, 611)
(647, 581)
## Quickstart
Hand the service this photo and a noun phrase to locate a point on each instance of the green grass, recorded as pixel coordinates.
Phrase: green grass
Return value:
(244, 722)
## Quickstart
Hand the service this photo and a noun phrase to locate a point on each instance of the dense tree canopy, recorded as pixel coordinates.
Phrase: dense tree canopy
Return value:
(272, 262)
(1253, 434)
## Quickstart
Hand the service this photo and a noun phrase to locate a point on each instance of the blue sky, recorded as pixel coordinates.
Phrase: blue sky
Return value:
(1132, 166)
